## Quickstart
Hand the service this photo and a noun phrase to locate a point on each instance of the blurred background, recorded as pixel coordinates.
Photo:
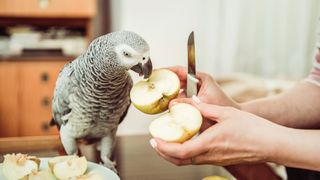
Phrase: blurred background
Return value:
(253, 48)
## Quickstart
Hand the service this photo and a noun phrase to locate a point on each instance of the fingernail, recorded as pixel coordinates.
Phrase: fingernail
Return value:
(196, 99)
(153, 143)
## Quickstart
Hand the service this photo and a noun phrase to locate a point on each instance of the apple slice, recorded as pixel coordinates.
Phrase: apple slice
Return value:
(181, 123)
(58, 159)
(214, 178)
(153, 96)
(18, 166)
(65, 167)
(41, 175)
(91, 176)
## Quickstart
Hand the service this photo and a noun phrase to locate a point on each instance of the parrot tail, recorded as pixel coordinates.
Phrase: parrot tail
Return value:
(54, 123)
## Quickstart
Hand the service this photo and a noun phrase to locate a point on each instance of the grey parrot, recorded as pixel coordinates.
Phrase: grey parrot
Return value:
(91, 95)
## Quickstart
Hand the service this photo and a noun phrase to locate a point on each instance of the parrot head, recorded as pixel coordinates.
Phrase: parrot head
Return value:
(133, 53)
(121, 50)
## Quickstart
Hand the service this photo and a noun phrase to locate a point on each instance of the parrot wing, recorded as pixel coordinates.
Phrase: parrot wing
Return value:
(124, 113)
(64, 88)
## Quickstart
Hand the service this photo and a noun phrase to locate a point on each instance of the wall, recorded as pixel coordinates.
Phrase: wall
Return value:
(270, 38)
(165, 25)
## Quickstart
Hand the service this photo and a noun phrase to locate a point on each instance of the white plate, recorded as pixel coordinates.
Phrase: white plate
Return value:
(92, 167)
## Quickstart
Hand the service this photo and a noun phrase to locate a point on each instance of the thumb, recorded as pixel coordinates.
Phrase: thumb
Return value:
(186, 150)
(210, 111)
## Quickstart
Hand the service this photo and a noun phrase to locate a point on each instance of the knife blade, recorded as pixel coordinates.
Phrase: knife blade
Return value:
(191, 55)
(192, 81)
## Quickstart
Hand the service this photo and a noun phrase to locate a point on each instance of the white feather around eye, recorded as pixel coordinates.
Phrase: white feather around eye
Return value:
(127, 54)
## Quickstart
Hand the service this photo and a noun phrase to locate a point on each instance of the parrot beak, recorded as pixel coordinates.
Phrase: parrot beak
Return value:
(143, 69)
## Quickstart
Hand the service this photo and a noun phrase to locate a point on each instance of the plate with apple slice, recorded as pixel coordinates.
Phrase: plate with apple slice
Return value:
(21, 166)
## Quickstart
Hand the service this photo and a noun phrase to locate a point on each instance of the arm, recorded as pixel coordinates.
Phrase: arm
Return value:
(242, 137)
(298, 107)
(296, 148)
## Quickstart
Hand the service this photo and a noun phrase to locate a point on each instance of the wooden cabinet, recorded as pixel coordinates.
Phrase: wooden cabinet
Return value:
(26, 90)
(27, 83)
(9, 100)
(48, 8)
(37, 81)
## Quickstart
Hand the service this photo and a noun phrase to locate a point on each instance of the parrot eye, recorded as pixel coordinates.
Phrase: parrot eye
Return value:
(126, 54)
(143, 58)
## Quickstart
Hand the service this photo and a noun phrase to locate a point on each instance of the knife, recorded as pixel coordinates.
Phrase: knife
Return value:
(192, 81)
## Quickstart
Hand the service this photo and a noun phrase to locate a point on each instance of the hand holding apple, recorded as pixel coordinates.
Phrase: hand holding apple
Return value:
(238, 137)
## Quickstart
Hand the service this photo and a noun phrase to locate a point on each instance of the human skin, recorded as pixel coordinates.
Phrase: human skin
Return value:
(297, 107)
(243, 137)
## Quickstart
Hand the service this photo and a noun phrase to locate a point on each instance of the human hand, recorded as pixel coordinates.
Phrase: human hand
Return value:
(237, 137)
(209, 92)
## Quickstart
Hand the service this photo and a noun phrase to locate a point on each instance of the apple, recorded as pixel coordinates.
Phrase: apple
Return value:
(214, 178)
(64, 167)
(58, 159)
(179, 124)
(41, 175)
(91, 176)
(152, 96)
(19, 166)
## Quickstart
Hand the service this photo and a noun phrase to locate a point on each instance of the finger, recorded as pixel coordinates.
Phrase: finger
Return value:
(318, 56)
(201, 159)
(206, 158)
(204, 81)
(182, 94)
(180, 100)
(209, 111)
(206, 124)
(185, 150)
(203, 77)
(212, 112)
(183, 84)
(180, 71)
(176, 161)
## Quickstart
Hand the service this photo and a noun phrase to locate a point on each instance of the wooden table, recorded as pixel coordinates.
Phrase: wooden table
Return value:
(136, 160)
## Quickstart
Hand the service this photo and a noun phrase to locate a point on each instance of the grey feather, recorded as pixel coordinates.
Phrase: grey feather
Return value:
(91, 96)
